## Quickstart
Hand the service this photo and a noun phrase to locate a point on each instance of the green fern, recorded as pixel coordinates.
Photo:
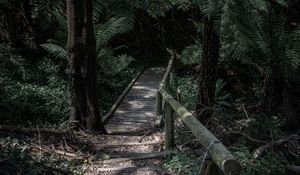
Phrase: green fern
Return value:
(55, 51)
(113, 65)
(113, 27)
(191, 54)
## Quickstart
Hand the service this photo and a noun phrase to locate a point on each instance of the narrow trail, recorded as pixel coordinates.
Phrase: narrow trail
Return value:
(134, 144)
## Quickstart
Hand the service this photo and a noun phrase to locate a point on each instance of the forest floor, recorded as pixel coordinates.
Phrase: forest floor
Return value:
(82, 153)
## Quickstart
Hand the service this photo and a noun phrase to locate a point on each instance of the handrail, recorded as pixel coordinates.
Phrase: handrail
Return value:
(163, 82)
(217, 151)
(219, 154)
(162, 85)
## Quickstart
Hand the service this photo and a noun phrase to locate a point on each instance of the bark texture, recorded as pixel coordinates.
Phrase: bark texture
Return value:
(82, 60)
(208, 77)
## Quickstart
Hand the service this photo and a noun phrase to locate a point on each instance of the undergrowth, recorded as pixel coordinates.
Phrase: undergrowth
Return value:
(232, 113)
(37, 93)
(182, 163)
(16, 158)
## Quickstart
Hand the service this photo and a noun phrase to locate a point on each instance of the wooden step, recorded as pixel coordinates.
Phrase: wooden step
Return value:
(138, 156)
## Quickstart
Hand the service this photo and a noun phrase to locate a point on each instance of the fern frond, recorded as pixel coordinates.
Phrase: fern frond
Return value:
(114, 26)
(260, 5)
(99, 9)
(293, 57)
(112, 65)
(158, 8)
(55, 51)
(61, 20)
(191, 55)
(295, 34)
(212, 9)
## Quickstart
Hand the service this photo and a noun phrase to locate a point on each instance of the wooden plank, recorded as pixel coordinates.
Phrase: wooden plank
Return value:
(136, 114)
(138, 105)
(140, 157)
(135, 123)
(140, 110)
(133, 116)
(121, 97)
(219, 154)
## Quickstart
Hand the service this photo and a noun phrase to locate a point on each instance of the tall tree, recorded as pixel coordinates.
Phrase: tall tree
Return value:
(209, 62)
(82, 60)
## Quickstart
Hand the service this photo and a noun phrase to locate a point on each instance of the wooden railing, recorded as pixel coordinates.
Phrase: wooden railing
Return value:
(222, 160)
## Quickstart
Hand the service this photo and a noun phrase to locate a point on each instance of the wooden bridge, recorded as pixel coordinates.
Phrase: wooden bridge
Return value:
(135, 147)
(136, 112)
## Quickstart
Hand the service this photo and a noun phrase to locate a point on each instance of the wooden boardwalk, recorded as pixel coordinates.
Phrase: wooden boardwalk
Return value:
(131, 148)
(136, 113)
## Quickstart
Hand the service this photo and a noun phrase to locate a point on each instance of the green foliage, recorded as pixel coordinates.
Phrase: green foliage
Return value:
(182, 164)
(55, 51)
(110, 64)
(268, 165)
(36, 104)
(191, 54)
(262, 38)
(188, 88)
(33, 93)
(11, 63)
(18, 160)
(221, 96)
(111, 28)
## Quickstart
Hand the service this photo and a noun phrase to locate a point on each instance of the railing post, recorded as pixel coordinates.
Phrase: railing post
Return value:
(178, 95)
(158, 104)
(169, 127)
(210, 168)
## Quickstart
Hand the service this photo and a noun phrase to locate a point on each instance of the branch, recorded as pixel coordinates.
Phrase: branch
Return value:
(258, 152)
(247, 137)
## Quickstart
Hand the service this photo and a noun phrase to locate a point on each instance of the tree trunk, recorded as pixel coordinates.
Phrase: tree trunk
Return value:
(32, 27)
(82, 60)
(273, 92)
(15, 25)
(207, 81)
(276, 82)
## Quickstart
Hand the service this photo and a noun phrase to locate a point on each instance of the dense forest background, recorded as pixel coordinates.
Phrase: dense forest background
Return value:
(257, 72)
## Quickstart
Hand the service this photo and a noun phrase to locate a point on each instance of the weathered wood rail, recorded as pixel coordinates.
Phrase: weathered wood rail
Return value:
(166, 106)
